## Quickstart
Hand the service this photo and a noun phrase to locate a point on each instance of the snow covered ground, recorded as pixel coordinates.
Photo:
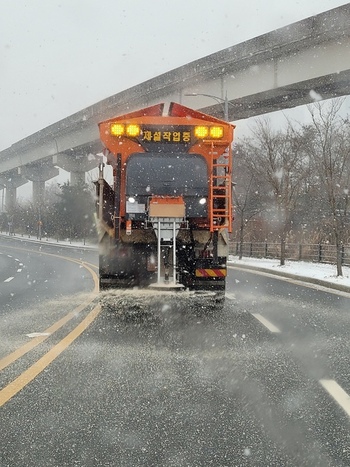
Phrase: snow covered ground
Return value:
(322, 272)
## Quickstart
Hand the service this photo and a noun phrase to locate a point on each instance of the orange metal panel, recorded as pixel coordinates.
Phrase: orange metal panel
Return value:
(167, 206)
(211, 150)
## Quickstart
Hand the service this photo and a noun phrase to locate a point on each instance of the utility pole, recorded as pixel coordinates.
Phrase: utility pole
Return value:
(39, 223)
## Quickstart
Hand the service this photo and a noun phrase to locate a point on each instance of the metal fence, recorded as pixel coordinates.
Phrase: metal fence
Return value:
(321, 253)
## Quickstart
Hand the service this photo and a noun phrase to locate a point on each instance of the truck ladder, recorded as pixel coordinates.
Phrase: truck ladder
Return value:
(220, 205)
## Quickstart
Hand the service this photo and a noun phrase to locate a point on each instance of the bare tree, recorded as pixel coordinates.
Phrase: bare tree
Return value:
(330, 151)
(247, 196)
(278, 157)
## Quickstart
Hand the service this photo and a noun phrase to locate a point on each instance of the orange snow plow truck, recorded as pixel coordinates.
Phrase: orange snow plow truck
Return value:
(165, 220)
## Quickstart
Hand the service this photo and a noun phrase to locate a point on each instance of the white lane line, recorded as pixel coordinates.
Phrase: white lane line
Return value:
(38, 334)
(271, 327)
(338, 393)
(9, 279)
(230, 295)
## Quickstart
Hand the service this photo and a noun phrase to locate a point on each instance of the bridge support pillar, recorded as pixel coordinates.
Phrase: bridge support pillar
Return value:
(11, 197)
(11, 181)
(39, 174)
(77, 178)
(38, 191)
(77, 165)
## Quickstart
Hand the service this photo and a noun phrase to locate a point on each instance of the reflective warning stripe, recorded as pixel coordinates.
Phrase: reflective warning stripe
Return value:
(211, 272)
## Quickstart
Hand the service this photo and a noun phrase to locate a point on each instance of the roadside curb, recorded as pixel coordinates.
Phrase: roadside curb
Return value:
(312, 280)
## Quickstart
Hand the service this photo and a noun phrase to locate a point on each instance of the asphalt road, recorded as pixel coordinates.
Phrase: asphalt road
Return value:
(29, 274)
(157, 381)
(38, 286)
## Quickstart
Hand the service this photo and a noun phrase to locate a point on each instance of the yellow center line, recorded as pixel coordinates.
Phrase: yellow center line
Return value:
(33, 371)
(18, 353)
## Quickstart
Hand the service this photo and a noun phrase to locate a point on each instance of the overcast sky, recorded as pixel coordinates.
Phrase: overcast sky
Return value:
(59, 56)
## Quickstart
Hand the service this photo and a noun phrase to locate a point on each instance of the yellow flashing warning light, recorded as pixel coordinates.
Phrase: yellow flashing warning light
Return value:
(201, 131)
(117, 129)
(133, 130)
(216, 132)
(213, 132)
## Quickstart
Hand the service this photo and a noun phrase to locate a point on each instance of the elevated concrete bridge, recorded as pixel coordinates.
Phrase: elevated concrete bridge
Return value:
(271, 72)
